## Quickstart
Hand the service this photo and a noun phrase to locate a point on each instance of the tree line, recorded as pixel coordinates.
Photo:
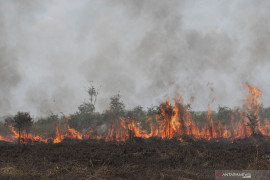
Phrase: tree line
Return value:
(86, 118)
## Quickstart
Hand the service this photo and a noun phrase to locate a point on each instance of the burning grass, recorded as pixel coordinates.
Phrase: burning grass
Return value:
(171, 143)
(173, 119)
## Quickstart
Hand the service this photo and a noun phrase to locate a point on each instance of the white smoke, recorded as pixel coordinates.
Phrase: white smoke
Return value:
(148, 50)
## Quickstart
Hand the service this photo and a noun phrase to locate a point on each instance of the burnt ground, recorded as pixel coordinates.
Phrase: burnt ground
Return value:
(137, 159)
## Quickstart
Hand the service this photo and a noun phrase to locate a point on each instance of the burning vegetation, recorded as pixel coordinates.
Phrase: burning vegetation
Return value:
(166, 142)
(172, 119)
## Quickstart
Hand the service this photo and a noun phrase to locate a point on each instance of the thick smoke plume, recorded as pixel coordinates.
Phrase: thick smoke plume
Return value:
(148, 50)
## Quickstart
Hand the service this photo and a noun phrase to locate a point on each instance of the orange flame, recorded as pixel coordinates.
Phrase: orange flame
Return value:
(173, 120)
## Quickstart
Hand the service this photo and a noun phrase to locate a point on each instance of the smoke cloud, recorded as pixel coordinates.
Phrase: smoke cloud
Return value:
(149, 50)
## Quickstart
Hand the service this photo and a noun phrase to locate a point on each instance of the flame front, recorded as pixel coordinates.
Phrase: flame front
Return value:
(174, 120)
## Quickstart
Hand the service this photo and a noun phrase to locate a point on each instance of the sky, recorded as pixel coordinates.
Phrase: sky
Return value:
(146, 50)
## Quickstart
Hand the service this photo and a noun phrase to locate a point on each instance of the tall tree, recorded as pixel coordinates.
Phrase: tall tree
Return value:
(89, 107)
(93, 93)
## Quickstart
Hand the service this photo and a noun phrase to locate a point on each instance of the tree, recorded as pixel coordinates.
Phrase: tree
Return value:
(46, 126)
(116, 106)
(86, 115)
(89, 107)
(93, 93)
(9, 121)
(86, 108)
(166, 112)
(224, 114)
(114, 116)
(22, 122)
(151, 111)
(136, 113)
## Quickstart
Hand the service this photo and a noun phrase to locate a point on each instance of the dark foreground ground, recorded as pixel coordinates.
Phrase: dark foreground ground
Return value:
(137, 159)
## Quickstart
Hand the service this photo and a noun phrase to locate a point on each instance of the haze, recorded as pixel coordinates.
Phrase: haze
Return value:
(149, 50)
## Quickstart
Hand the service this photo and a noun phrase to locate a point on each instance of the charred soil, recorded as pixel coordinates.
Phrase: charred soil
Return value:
(136, 159)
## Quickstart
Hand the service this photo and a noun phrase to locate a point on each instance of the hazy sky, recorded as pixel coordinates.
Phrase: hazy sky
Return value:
(148, 50)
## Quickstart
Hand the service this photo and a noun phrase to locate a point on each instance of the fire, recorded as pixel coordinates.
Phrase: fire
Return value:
(174, 119)
(70, 134)
(59, 138)
(124, 129)
(253, 98)
(3, 138)
(26, 138)
(252, 108)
